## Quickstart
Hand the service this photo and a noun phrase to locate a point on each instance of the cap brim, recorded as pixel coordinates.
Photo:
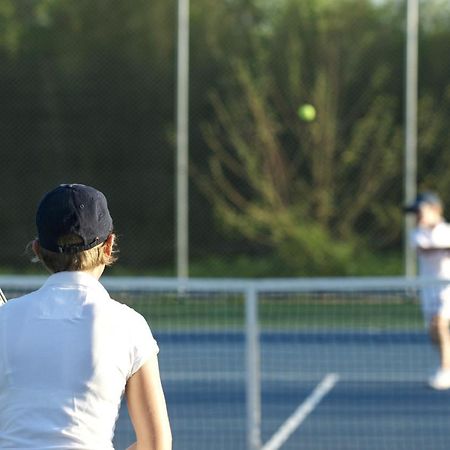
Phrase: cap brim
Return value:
(411, 209)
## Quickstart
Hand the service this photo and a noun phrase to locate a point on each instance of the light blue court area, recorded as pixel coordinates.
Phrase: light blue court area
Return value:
(319, 390)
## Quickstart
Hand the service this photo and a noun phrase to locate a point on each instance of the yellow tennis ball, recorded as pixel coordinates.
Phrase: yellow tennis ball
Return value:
(307, 112)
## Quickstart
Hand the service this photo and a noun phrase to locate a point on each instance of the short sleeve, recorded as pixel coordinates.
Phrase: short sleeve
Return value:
(144, 344)
(435, 238)
(440, 236)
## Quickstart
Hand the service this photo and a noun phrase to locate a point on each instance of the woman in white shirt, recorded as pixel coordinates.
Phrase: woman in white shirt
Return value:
(68, 352)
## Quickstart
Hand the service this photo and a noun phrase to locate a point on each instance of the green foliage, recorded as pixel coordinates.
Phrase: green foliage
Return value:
(88, 91)
(87, 96)
(311, 201)
(9, 27)
(363, 263)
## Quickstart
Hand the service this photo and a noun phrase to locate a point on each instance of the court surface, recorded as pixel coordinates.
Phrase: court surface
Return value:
(320, 390)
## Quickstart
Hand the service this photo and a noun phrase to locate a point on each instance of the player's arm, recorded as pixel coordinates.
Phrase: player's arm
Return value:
(431, 240)
(434, 245)
(147, 408)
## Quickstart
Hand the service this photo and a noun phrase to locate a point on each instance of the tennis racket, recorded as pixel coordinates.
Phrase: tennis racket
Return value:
(2, 297)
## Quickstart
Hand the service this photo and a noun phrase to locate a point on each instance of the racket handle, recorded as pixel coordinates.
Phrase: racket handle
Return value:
(2, 297)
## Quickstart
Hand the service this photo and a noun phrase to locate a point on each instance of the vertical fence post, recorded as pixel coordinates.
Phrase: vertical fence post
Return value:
(253, 383)
(410, 181)
(182, 149)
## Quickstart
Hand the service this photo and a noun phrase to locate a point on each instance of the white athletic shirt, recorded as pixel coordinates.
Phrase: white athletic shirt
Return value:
(66, 352)
(434, 264)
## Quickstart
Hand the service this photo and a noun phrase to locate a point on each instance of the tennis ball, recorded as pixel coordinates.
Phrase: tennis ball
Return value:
(306, 112)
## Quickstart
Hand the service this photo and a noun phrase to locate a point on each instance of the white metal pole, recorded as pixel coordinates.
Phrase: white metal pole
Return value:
(410, 160)
(253, 380)
(182, 151)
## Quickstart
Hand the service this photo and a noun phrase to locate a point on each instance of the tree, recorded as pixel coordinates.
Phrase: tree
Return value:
(313, 192)
(87, 96)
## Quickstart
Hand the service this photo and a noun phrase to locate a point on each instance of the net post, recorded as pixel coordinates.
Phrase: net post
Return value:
(253, 382)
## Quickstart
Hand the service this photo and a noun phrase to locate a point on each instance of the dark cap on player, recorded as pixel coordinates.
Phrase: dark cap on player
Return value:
(73, 209)
(429, 198)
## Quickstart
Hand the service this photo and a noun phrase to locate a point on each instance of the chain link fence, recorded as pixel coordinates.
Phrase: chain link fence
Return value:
(87, 94)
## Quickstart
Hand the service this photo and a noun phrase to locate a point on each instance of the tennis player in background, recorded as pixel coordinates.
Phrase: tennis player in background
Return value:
(431, 238)
(68, 352)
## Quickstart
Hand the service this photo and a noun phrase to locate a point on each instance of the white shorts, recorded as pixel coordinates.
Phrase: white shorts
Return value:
(435, 302)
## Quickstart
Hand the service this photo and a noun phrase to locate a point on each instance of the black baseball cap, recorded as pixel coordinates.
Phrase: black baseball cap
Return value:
(429, 198)
(73, 209)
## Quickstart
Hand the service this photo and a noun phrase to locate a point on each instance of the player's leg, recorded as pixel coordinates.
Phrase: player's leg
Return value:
(440, 335)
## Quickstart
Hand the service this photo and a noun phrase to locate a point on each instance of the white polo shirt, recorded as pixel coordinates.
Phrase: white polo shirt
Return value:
(434, 264)
(66, 353)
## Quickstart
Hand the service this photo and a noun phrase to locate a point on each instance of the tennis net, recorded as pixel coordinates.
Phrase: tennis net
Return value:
(271, 364)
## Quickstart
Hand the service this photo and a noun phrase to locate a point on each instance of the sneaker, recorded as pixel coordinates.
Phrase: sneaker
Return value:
(441, 380)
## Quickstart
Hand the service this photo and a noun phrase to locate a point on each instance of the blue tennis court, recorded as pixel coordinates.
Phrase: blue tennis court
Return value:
(319, 390)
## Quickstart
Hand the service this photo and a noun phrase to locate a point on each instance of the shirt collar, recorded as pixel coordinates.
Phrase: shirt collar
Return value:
(74, 279)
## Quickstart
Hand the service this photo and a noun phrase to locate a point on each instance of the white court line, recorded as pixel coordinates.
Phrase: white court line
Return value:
(302, 412)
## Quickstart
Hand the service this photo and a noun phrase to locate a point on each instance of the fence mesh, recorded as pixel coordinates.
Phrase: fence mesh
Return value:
(340, 364)
(84, 99)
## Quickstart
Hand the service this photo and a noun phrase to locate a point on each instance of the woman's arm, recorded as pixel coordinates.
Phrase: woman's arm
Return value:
(147, 408)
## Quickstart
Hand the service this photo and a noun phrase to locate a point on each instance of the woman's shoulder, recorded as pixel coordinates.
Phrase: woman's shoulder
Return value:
(126, 312)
